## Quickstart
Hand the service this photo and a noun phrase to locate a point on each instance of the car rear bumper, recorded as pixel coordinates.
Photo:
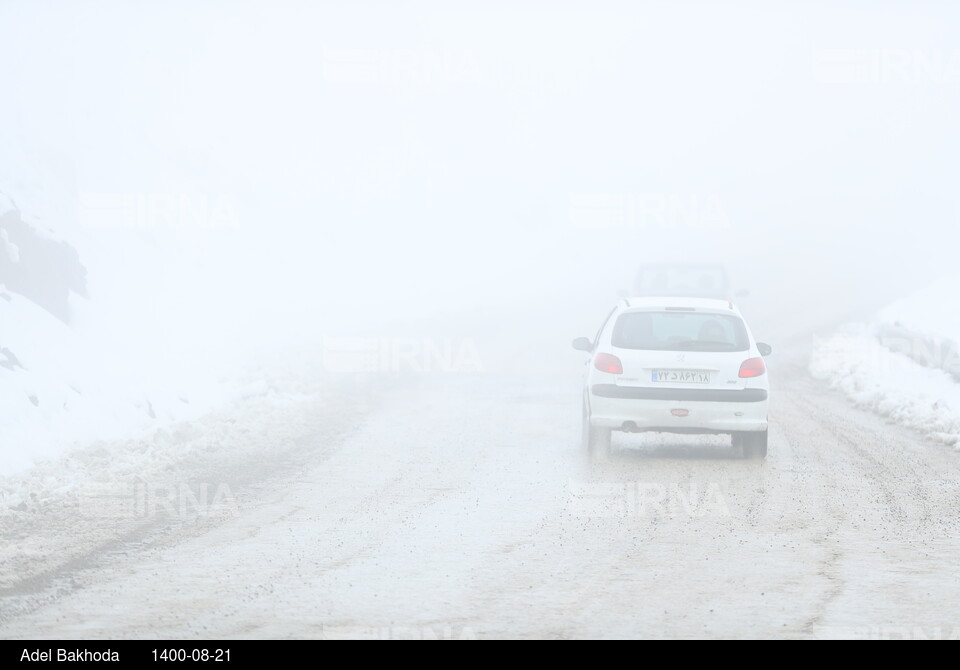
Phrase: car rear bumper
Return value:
(654, 409)
(613, 391)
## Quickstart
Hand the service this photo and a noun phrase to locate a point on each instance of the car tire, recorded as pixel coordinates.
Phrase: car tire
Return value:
(596, 440)
(754, 445)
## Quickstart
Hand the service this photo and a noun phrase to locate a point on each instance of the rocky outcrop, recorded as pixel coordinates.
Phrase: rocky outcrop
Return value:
(42, 270)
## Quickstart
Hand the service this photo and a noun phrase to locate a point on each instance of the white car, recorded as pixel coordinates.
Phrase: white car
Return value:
(676, 365)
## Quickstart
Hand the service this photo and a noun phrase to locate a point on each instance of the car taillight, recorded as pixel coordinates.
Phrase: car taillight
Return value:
(608, 363)
(754, 367)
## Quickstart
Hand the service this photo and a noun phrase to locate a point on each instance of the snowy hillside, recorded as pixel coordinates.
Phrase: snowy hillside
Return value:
(68, 376)
(903, 363)
(56, 395)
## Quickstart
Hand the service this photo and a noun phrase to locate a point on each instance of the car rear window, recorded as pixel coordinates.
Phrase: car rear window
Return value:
(680, 331)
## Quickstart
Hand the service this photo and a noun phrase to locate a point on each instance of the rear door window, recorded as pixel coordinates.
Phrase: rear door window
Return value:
(680, 331)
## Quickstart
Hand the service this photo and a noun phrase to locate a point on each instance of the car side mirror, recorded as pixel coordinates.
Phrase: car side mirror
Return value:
(765, 349)
(583, 344)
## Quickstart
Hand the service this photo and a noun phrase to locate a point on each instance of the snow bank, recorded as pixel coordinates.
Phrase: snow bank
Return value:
(112, 373)
(149, 344)
(930, 311)
(148, 448)
(900, 364)
(57, 392)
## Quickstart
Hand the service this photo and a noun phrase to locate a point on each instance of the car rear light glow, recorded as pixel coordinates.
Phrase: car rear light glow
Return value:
(680, 412)
(754, 367)
(608, 363)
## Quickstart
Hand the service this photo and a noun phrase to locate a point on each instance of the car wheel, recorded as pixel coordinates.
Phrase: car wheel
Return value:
(596, 440)
(585, 427)
(754, 445)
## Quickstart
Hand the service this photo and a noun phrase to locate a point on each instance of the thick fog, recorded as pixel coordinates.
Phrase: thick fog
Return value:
(292, 166)
(198, 198)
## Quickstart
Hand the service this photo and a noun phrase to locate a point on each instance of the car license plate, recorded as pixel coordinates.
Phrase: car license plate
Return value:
(680, 377)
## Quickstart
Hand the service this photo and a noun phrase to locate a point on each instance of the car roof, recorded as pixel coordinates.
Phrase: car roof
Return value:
(699, 304)
(683, 266)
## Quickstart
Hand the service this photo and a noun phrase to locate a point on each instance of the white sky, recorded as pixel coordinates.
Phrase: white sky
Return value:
(388, 158)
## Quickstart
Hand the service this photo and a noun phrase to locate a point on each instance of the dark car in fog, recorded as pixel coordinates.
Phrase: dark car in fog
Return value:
(684, 281)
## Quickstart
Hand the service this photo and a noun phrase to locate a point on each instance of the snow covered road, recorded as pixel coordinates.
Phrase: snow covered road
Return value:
(288, 292)
(491, 522)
